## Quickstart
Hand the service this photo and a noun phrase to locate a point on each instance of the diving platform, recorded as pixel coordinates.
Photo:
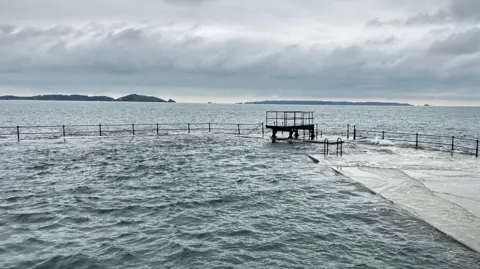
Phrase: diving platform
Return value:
(291, 122)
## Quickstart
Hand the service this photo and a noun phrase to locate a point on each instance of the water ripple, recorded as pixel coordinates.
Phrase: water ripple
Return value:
(200, 202)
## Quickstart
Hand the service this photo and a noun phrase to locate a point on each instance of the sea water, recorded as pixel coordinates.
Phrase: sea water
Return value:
(204, 200)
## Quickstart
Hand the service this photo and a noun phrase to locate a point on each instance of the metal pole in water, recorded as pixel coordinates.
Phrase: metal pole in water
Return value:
(209, 128)
(263, 131)
(157, 128)
(18, 134)
(476, 152)
(188, 125)
(63, 130)
(348, 131)
(317, 132)
(340, 143)
(383, 135)
(416, 141)
(100, 129)
(133, 129)
(238, 125)
(453, 142)
(354, 132)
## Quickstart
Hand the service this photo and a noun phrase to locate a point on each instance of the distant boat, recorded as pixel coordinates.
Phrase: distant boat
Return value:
(426, 105)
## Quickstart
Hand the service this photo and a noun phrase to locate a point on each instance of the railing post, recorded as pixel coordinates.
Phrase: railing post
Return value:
(188, 126)
(238, 125)
(453, 143)
(133, 129)
(209, 127)
(348, 131)
(325, 147)
(416, 141)
(100, 129)
(157, 129)
(476, 152)
(340, 142)
(354, 132)
(341, 148)
(316, 135)
(63, 130)
(18, 134)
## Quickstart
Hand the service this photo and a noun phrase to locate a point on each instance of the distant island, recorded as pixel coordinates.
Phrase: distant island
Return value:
(327, 103)
(77, 97)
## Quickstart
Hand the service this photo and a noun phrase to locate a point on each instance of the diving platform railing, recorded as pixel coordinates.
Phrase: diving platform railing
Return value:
(291, 122)
(289, 118)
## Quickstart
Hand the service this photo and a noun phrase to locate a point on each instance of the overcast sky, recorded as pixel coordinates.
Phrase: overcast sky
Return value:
(418, 51)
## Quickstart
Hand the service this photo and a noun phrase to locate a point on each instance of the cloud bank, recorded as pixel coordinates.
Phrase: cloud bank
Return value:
(244, 50)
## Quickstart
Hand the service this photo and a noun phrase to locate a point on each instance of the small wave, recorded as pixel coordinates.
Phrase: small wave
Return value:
(243, 232)
(18, 198)
(63, 261)
(42, 166)
(33, 217)
(83, 190)
(75, 219)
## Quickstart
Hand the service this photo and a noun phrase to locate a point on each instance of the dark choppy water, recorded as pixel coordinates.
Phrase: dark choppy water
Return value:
(199, 201)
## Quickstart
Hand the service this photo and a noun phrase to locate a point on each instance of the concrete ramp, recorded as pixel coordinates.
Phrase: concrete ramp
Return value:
(455, 215)
(439, 188)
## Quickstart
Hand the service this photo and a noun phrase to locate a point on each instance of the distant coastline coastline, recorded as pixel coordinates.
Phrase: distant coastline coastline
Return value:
(325, 103)
(77, 97)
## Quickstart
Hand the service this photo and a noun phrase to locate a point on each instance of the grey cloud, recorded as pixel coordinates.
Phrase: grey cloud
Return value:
(455, 11)
(165, 57)
(465, 9)
(467, 42)
(439, 17)
(384, 41)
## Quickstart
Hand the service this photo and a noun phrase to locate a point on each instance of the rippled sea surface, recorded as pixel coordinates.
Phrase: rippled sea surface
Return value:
(200, 200)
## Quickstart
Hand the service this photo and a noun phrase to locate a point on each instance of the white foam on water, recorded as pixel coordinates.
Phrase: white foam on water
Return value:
(437, 187)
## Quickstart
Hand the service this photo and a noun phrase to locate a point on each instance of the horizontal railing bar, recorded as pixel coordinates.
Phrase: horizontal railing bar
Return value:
(38, 126)
(387, 132)
(434, 143)
(464, 139)
(401, 140)
(438, 136)
(419, 134)
(420, 142)
(42, 133)
(125, 124)
(464, 147)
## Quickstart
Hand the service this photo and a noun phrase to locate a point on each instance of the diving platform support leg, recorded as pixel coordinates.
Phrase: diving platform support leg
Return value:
(274, 135)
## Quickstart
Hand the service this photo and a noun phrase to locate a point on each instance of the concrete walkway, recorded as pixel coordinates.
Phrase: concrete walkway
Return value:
(437, 187)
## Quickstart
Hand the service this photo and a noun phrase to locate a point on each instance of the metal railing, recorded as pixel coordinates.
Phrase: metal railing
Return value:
(459, 144)
(289, 118)
(19, 133)
(338, 143)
